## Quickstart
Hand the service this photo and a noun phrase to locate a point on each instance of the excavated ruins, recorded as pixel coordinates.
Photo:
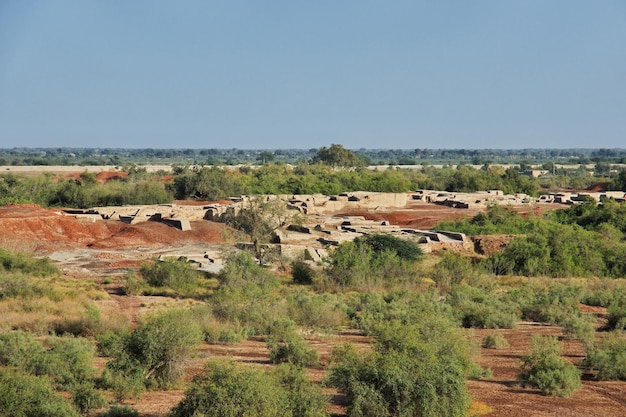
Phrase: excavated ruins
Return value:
(109, 241)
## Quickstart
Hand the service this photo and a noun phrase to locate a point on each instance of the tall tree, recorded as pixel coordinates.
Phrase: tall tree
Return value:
(337, 156)
(259, 217)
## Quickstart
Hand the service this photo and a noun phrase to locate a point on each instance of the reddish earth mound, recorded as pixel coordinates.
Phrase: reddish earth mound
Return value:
(29, 227)
(159, 234)
(106, 176)
(417, 217)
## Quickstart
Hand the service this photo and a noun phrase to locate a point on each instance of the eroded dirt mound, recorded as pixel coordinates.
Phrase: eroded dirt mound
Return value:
(106, 176)
(30, 227)
(417, 217)
(154, 233)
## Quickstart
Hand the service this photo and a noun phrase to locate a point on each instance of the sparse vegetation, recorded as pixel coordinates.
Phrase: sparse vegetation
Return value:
(412, 306)
(608, 359)
(495, 341)
(153, 354)
(227, 389)
(545, 369)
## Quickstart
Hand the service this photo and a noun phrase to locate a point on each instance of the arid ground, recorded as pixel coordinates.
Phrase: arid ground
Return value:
(96, 250)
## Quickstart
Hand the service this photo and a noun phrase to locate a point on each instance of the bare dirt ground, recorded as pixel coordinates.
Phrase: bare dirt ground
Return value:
(87, 249)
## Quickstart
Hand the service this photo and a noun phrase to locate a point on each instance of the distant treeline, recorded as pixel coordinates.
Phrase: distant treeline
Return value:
(214, 183)
(214, 156)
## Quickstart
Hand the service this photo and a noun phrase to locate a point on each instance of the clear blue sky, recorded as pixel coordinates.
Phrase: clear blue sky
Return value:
(304, 74)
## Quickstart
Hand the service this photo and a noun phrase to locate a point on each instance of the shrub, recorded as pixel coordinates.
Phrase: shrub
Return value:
(617, 316)
(404, 249)
(26, 263)
(544, 368)
(155, 351)
(134, 284)
(128, 382)
(452, 269)
(416, 369)
(285, 345)
(68, 361)
(301, 272)
(403, 307)
(178, 274)
(20, 349)
(359, 266)
(318, 311)
(226, 389)
(20, 284)
(242, 270)
(609, 357)
(546, 301)
(225, 334)
(481, 308)
(85, 397)
(495, 341)
(579, 328)
(27, 395)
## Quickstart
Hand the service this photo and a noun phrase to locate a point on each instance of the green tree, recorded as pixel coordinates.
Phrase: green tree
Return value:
(337, 156)
(259, 217)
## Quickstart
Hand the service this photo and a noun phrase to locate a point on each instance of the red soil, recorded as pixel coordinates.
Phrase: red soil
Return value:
(30, 227)
(106, 176)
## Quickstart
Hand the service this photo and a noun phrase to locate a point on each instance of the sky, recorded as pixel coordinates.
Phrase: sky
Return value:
(291, 74)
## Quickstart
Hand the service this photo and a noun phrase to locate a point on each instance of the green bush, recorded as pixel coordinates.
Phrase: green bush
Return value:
(242, 270)
(26, 263)
(481, 308)
(225, 335)
(154, 352)
(317, 311)
(417, 369)
(579, 328)
(134, 284)
(452, 269)
(286, 345)
(360, 266)
(495, 341)
(24, 395)
(22, 350)
(301, 272)
(67, 360)
(617, 315)
(609, 357)
(226, 389)
(404, 249)
(85, 397)
(178, 274)
(544, 368)
(19, 284)
(405, 307)
(70, 360)
(546, 301)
